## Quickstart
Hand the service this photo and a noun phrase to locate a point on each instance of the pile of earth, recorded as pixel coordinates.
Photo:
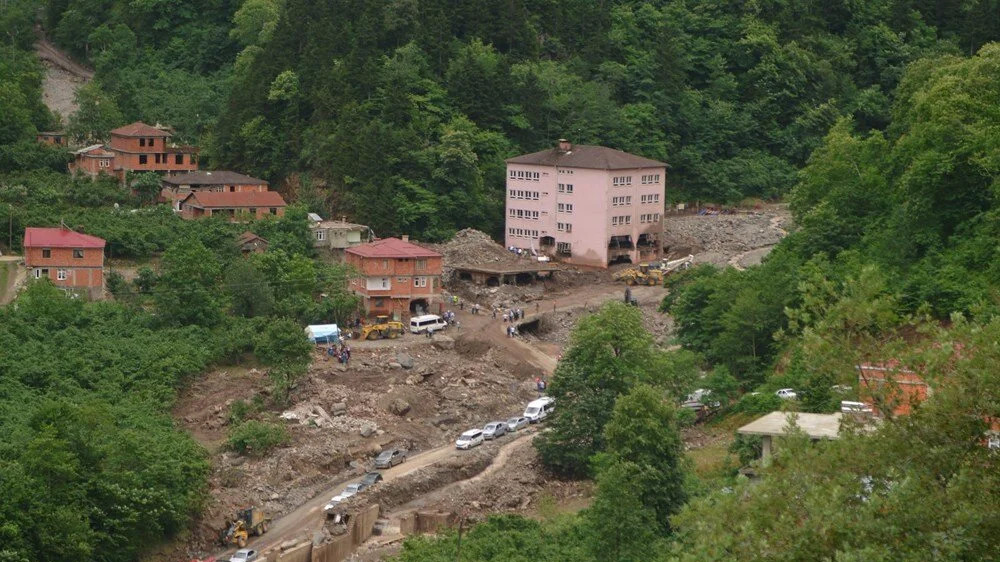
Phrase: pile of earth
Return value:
(717, 238)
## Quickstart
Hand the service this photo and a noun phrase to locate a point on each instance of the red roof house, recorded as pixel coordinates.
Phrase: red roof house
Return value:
(69, 259)
(397, 276)
(239, 205)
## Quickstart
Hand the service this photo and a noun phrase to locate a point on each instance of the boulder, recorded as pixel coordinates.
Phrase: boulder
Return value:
(404, 359)
(368, 429)
(444, 344)
(395, 365)
(399, 407)
(339, 409)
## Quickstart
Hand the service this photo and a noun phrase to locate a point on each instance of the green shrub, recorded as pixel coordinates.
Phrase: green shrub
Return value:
(256, 437)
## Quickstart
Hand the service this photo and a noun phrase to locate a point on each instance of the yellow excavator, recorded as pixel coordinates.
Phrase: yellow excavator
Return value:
(642, 275)
(247, 521)
(382, 328)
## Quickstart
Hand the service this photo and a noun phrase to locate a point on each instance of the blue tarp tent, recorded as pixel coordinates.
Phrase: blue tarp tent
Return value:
(323, 333)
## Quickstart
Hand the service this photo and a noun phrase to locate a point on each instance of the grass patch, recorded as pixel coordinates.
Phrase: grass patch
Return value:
(710, 460)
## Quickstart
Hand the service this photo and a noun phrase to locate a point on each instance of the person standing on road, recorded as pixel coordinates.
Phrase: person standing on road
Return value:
(494, 313)
(537, 307)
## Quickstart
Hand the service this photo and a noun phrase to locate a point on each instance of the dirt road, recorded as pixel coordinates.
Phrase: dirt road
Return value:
(309, 517)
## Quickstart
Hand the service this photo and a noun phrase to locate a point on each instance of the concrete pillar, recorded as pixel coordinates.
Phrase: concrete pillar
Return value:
(765, 453)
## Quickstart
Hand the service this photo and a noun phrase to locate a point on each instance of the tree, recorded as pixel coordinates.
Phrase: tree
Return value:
(643, 431)
(187, 289)
(96, 116)
(609, 351)
(621, 526)
(250, 292)
(146, 186)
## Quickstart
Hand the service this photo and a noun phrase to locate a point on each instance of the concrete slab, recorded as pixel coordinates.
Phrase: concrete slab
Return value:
(776, 424)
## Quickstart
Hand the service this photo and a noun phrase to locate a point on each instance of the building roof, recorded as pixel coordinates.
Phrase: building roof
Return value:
(212, 177)
(59, 238)
(392, 248)
(338, 225)
(210, 200)
(249, 237)
(92, 150)
(816, 426)
(139, 129)
(586, 156)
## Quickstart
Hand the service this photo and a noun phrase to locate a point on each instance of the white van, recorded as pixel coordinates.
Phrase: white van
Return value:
(538, 410)
(432, 322)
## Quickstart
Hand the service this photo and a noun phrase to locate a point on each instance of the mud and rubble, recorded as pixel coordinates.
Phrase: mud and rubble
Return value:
(725, 239)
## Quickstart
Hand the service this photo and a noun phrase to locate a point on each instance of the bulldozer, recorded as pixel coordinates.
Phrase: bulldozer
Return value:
(249, 521)
(642, 275)
(381, 328)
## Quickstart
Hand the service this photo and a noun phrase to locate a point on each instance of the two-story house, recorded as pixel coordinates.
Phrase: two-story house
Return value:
(397, 277)
(588, 205)
(135, 148)
(236, 206)
(176, 187)
(69, 259)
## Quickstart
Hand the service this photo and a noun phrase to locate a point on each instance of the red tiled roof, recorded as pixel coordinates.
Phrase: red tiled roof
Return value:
(392, 248)
(210, 199)
(59, 238)
(139, 129)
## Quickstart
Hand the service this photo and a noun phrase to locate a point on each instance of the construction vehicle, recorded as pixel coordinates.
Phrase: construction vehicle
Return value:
(249, 521)
(382, 328)
(642, 275)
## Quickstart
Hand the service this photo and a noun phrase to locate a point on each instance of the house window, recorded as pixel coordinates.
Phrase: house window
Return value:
(378, 283)
(62, 274)
(142, 142)
(142, 158)
(151, 142)
(419, 281)
(379, 303)
(46, 253)
(179, 159)
(385, 264)
(38, 274)
(421, 264)
(253, 210)
(78, 253)
(320, 235)
(274, 210)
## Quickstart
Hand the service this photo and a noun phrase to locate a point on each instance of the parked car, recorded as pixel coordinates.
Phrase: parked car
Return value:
(390, 458)
(787, 394)
(371, 478)
(849, 407)
(244, 555)
(514, 424)
(538, 410)
(698, 395)
(495, 429)
(470, 439)
(350, 490)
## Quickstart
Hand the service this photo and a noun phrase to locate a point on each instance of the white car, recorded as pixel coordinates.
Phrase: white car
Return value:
(538, 410)
(787, 394)
(350, 490)
(244, 555)
(469, 439)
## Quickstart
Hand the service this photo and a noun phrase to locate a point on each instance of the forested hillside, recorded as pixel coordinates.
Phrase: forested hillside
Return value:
(401, 112)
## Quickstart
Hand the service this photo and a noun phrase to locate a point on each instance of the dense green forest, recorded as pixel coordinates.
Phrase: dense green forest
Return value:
(401, 112)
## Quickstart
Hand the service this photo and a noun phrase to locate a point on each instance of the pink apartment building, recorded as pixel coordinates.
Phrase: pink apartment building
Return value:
(587, 205)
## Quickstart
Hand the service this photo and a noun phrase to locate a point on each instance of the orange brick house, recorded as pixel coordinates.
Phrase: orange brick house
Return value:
(135, 148)
(52, 138)
(890, 387)
(237, 206)
(397, 277)
(176, 187)
(69, 259)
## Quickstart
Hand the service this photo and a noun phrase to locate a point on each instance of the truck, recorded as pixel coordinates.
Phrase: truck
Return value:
(246, 522)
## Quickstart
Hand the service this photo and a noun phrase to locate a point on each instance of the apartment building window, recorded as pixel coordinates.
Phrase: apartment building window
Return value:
(46, 252)
(142, 158)
(320, 235)
(563, 247)
(62, 274)
(624, 200)
(419, 281)
(621, 180)
(650, 198)
(564, 227)
(651, 179)
(78, 253)
(524, 175)
(513, 212)
(565, 207)
(621, 220)
(568, 172)
(569, 188)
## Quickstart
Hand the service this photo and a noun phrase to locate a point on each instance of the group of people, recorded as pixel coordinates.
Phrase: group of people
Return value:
(341, 351)
(511, 314)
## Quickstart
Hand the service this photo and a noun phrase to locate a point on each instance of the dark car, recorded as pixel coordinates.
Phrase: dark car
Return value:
(370, 479)
(390, 458)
